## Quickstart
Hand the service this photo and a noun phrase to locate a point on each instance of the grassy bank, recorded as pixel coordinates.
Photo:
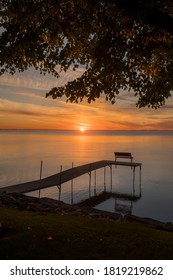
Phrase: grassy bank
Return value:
(34, 235)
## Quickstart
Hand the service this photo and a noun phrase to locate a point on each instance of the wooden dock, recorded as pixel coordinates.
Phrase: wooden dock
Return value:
(64, 176)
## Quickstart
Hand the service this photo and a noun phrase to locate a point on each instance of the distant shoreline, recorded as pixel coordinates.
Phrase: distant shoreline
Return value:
(94, 132)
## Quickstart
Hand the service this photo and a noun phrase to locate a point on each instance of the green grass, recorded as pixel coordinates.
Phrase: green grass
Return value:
(52, 236)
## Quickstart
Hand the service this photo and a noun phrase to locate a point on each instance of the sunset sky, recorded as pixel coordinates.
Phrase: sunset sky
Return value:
(23, 106)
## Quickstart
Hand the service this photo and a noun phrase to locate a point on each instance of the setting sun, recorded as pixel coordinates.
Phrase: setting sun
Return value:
(82, 129)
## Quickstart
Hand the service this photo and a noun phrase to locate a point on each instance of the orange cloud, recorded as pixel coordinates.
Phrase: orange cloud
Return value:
(23, 106)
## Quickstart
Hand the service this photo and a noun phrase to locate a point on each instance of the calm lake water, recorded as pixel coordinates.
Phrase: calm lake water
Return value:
(22, 151)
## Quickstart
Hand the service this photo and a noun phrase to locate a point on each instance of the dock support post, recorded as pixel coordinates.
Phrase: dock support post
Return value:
(110, 177)
(59, 186)
(41, 167)
(89, 173)
(95, 182)
(104, 178)
(72, 187)
(140, 179)
(133, 180)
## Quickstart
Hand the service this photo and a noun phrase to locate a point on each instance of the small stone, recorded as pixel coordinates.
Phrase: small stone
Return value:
(50, 238)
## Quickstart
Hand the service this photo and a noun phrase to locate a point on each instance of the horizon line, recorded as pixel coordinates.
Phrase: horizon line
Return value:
(47, 129)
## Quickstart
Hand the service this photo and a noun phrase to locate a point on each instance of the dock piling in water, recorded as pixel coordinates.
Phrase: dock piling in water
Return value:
(72, 186)
(41, 168)
(59, 185)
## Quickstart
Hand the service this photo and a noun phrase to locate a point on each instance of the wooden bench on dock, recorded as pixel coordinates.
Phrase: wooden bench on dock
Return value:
(123, 155)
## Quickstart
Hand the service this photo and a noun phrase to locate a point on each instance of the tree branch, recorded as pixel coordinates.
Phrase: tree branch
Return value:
(148, 13)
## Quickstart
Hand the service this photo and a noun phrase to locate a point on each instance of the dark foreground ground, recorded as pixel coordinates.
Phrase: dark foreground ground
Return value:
(38, 231)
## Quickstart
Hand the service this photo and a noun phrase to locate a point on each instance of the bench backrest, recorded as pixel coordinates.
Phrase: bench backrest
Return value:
(123, 155)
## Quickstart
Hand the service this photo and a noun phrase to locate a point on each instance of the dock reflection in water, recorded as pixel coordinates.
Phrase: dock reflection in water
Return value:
(121, 203)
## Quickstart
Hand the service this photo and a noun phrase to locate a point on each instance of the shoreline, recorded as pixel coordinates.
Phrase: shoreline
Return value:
(48, 205)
